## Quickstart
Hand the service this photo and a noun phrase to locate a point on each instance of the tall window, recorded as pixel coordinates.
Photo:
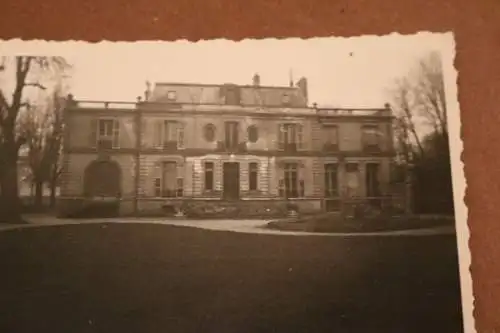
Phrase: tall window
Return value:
(231, 137)
(209, 176)
(290, 137)
(372, 180)
(253, 174)
(108, 133)
(169, 182)
(331, 135)
(169, 134)
(370, 137)
(352, 179)
(331, 180)
(292, 187)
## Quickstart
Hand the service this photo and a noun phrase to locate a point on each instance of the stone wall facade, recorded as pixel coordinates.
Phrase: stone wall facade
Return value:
(133, 137)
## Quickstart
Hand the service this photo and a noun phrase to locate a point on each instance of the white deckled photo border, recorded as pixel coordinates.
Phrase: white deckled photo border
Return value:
(450, 74)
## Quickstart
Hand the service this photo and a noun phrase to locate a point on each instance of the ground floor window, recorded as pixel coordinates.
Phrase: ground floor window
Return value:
(372, 180)
(209, 176)
(291, 186)
(253, 174)
(331, 180)
(169, 182)
(352, 180)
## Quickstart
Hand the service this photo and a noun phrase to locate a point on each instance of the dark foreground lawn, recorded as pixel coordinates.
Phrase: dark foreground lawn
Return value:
(336, 224)
(153, 278)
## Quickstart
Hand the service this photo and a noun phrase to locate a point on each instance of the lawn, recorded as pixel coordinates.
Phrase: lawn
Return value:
(155, 278)
(336, 224)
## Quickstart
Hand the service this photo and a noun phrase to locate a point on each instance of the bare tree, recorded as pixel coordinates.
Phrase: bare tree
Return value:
(420, 106)
(421, 131)
(42, 129)
(406, 123)
(24, 75)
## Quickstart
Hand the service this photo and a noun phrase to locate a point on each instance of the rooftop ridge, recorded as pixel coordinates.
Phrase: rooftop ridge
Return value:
(215, 85)
(312, 107)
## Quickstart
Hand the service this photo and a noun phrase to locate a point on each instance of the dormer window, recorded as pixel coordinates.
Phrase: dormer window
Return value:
(285, 99)
(230, 94)
(171, 95)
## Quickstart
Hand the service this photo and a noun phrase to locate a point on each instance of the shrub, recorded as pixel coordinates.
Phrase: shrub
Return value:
(290, 206)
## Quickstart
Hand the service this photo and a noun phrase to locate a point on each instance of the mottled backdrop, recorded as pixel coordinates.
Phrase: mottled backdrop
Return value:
(477, 28)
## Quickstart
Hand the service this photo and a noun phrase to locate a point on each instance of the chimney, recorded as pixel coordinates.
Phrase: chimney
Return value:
(256, 80)
(70, 100)
(147, 93)
(302, 85)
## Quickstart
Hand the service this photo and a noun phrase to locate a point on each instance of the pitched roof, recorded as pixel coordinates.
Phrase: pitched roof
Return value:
(215, 93)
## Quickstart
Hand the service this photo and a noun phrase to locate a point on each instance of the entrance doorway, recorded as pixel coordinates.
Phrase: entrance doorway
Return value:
(372, 184)
(231, 181)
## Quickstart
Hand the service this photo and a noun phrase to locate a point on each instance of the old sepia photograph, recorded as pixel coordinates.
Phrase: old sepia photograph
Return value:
(273, 185)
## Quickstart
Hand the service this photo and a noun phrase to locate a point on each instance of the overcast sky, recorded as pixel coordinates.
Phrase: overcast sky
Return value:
(343, 72)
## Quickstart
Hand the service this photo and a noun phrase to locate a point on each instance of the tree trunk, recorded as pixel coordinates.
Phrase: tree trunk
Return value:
(38, 194)
(53, 189)
(10, 208)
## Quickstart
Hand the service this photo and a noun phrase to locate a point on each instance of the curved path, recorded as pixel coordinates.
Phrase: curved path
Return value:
(244, 226)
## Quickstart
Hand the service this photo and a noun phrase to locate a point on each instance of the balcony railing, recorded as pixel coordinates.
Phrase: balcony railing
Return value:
(372, 148)
(105, 144)
(170, 145)
(288, 146)
(216, 107)
(332, 193)
(330, 147)
(176, 193)
(326, 112)
(98, 105)
(223, 146)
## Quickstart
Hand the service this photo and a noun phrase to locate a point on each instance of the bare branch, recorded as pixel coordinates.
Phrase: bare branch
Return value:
(420, 101)
(36, 85)
(3, 101)
(403, 103)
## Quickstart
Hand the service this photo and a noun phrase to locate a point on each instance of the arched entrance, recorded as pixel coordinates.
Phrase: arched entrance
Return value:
(103, 179)
(102, 184)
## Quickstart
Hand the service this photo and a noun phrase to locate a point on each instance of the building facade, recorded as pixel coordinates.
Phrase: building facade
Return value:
(252, 147)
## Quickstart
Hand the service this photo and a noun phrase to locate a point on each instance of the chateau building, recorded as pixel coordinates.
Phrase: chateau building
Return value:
(249, 146)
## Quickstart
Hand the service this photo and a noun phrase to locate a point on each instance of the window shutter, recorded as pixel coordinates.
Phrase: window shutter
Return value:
(235, 136)
(280, 175)
(157, 180)
(180, 180)
(116, 133)
(157, 133)
(281, 136)
(332, 135)
(157, 187)
(379, 136)
(180, 135)
(180, 170)
(371, 136)
(301, 179)
(281, 188)
(300, 136)
(94, 123)
(144, 131)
